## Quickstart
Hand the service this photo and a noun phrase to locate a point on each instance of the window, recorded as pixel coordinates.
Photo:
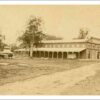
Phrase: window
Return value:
(66, 45)
(51, 46)
(83, 45)
(61, 45)
(93, 46)
(88, 45)
(56, 45)
(78, 45)
(97, 46)
(70, 45)
(75, 45)
(45, 45)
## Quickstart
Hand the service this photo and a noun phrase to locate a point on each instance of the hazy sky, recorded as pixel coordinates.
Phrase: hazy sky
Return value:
(64, 21)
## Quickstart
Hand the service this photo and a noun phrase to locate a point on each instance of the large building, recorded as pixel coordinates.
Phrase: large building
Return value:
(88, 48)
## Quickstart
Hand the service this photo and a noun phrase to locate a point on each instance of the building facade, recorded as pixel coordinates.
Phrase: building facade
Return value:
(88, 48)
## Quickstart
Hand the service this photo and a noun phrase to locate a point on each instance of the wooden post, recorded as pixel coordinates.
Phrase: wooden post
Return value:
(31, 50)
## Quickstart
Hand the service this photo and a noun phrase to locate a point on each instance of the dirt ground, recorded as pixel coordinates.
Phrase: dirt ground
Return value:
(23, 69)
(89, 86)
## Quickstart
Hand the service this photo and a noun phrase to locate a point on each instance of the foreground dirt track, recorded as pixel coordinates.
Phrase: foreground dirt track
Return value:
(49, 84)
(19, 69)
(48, 77)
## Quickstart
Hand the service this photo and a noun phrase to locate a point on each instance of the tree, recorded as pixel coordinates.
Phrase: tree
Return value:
(1, 42)
(13, 47)
(33, 35)
(82, 34)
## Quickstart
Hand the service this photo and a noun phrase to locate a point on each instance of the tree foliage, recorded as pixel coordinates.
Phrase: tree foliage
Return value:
(13, 47)
(82, 34)
(33, 33)
(2, 44)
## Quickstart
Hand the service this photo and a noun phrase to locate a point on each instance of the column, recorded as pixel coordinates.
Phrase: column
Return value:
(39, 54)
(86, 54)
(78, 55)
(57, 55)
(52, 55)
(43, 53)
(67, 55)
(61, 55)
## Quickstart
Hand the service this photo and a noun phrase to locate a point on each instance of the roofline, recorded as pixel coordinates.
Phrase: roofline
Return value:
(66, 42)
(73, 41)
(95, 38)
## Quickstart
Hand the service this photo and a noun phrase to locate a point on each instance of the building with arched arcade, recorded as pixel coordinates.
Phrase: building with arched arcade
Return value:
(88, 48)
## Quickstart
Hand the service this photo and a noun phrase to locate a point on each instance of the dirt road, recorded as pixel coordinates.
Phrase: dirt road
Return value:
(52, 84)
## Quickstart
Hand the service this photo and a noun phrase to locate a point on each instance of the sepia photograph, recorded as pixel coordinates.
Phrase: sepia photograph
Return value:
(50, 50)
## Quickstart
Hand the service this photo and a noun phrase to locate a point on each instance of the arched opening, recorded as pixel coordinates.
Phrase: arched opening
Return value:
(59, 54)
(50, 54)
(64, 55)
(34, 53)
(37, 54)
(46, 54)
(55, 55)
(42, 54)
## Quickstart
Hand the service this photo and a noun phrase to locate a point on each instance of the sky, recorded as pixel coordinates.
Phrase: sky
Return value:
(60, 20)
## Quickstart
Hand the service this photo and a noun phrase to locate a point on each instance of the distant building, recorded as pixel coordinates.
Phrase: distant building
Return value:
(6, 49)
(88, 48)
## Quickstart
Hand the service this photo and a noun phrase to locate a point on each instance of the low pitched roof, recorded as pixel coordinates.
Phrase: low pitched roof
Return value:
(55, 49)
(65, 41)
(60, 49)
